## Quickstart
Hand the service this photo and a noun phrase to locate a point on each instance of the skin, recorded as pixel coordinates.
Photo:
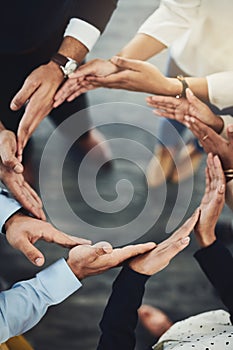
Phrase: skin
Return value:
(22, 232)
(160, 257)
(212, 202)
(91, 260)
(11, 174)
(39, 90)
(127, 74)
(178, 108)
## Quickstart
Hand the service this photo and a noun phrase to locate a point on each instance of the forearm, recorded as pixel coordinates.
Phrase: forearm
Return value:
(217, 263)
(142, 47)
(120, 315)
(73, 48)
(26, 302)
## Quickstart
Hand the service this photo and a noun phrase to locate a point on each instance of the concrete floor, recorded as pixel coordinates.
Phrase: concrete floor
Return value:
(181, 289)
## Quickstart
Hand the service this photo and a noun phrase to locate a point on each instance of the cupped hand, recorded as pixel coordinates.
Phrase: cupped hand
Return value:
(22, 232)
(91, 260)
(212, 202)
(157, 259)
(77, 83)
(37, 93)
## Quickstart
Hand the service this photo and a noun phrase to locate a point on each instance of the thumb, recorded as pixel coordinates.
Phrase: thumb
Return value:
(32, 253)
(230, 133)
(103, 248)
(126, 63)
(192, 98)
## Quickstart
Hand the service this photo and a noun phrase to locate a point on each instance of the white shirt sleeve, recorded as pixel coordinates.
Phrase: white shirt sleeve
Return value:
(171, 20)
(22, 306)
(83, 31)
(220, 86)
(8, 206)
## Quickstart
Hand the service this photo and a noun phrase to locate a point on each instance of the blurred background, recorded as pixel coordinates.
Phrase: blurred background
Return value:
(181, 290)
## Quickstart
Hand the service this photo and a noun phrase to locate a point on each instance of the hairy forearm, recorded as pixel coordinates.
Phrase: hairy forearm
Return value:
(142, 47)
(73, 48)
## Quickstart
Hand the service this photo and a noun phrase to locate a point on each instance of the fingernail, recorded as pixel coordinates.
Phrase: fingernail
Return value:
(187, 117)
(185, 240)
(230, 128)
(222, 188)
(107, 249)
(189, 91)
(18, 168)
(39, 261)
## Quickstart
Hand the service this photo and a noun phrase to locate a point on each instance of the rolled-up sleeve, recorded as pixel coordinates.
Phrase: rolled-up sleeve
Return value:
(171, 20)
(22, 306)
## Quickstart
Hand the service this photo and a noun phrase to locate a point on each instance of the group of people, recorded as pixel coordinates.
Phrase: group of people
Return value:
(197, 85)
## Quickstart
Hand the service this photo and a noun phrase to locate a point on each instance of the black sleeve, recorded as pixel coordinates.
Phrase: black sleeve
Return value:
(95, 12)
(217, 263)
(120, 315)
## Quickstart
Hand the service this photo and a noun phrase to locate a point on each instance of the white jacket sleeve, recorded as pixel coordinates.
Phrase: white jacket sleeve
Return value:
(171, 20)
(22, 306)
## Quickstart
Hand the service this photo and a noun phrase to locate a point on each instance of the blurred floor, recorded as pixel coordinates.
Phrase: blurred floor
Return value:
(181, 289)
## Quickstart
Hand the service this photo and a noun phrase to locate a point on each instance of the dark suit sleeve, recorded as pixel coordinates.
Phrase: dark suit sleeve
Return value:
(217, 263)
(95, 12)
(120, 315)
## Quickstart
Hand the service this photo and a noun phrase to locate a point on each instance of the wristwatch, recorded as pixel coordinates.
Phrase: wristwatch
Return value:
(67, 64)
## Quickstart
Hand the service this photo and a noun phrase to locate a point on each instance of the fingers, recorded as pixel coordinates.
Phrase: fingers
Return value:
(176, 247)
(27, 90)
(61, 238)
(133, 250)
(32, 253)
(187, 227)
(230, 133)
(10, 161)
(126, 63)
(193, 100)
(103, 248)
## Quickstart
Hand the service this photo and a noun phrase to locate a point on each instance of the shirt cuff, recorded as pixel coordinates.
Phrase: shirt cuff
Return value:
(218, 94)
(59, 281)
(8, 206)
(84, 32)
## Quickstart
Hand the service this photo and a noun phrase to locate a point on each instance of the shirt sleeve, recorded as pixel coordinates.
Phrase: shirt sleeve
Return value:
(220, 86)
(120, 315)
(217, 263)
(89, 20)
(171, 20)
(22, 306)
(8, 207)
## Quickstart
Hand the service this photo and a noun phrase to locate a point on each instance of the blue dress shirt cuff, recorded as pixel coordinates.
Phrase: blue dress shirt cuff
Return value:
(59, 281)
(8, 206)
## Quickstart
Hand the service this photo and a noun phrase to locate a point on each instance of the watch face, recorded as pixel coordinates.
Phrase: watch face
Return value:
(70, 67)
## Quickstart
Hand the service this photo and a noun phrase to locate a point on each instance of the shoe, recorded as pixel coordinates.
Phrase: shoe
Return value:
(224, 231)
(154, 320)
(160, 167)
(187, 163)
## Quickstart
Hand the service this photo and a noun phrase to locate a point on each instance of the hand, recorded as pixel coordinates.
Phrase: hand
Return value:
(212, 202)
(179, 108)
(38, 92)
(212, 142)
(23, 231)
(136, 75)
(157, 259)
(91, 260)
(77, 84)
(11, 175)
(8, 149)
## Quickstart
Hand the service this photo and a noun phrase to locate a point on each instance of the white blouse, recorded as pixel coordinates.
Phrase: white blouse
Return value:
(207, 331)
(199, 34)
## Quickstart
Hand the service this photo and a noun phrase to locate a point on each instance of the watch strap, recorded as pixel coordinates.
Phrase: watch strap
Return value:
(184, 86)
(60, 59)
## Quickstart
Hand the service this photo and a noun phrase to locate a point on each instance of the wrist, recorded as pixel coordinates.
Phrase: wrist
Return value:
(173, 87)
(205, 239)
(218, 124)
(77, 271)
(55, 67)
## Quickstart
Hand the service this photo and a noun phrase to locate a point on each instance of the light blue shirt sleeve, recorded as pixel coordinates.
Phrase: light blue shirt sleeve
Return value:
(8, 206)
(22, 306)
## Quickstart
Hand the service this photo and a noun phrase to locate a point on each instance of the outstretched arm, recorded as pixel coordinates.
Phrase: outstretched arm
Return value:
(120, 315)
(214, 258)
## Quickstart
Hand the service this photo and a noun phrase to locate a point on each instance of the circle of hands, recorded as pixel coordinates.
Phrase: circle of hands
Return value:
(150, 257)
